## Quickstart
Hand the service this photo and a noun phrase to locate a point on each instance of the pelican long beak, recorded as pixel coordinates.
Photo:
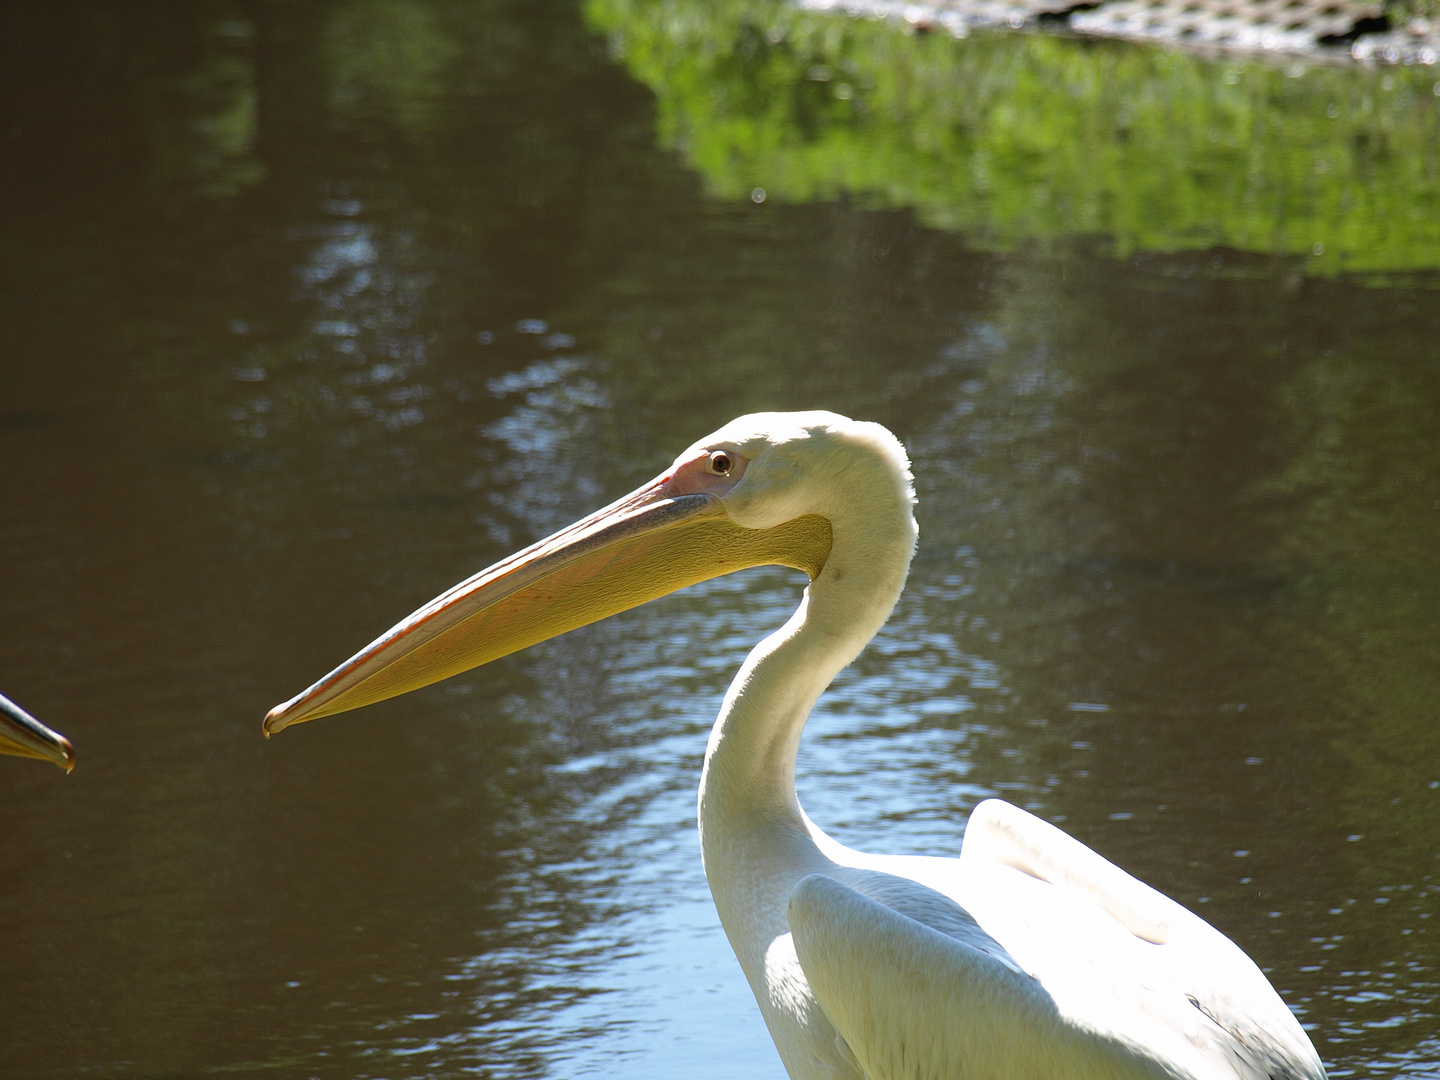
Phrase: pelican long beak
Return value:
(646, 545)
(24, 736)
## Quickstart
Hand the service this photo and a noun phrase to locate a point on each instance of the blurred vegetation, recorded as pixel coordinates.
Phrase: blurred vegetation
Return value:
(388, 57)
(1402, 10)
(1024, 138)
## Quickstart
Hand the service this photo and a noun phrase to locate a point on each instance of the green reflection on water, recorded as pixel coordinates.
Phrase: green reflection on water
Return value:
(1365, 484)
(1020, 138)
(392, 58)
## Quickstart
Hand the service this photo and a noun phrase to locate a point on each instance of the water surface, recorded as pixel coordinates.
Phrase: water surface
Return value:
(311, 310)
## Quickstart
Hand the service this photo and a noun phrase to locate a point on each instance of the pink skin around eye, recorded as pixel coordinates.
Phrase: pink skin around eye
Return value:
(694, 477)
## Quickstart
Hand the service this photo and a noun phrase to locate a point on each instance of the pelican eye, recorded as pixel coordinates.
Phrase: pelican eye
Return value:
(720, 463)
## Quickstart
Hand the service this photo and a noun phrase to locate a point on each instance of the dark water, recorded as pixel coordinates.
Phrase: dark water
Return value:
(310, 310)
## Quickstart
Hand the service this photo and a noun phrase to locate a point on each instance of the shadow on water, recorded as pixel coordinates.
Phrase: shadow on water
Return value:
(312, 310)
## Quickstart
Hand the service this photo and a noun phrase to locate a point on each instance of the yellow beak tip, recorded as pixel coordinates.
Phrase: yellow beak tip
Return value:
(273, 722)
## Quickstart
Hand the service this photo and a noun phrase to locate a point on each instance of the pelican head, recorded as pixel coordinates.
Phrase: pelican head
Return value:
(24, 736)
(744, 496)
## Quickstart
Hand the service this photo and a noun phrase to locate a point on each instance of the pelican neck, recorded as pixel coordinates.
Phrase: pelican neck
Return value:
(749, 775)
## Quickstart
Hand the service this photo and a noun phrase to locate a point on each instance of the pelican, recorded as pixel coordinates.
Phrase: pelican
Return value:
(24, 736)
(1028, 957)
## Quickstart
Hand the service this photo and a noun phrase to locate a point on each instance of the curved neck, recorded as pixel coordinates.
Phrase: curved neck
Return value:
(747, 790)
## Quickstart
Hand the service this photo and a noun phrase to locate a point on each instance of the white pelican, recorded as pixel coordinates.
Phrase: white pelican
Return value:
(1029, 957)
(24, 736)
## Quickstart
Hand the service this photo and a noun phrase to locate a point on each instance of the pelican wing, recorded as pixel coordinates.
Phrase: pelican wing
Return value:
(917, 1002)
(1119, 957)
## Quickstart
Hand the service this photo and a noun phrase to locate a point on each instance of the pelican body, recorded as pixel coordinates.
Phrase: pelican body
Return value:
(1029, 957)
